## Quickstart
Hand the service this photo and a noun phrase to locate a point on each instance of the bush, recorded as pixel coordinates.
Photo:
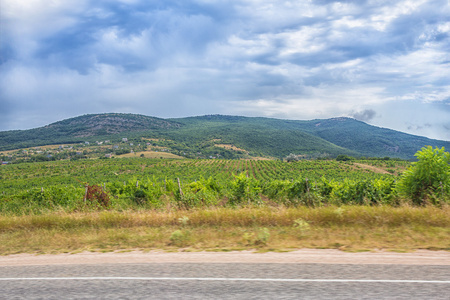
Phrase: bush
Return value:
(146, 192)
(180, 238)
(428, 178)
(95, 195)
(363, 192)
(204, 192)
(277, 189)
(37, 200)
(302, 191)
(342, 157)
(292, 157)
(244, 189)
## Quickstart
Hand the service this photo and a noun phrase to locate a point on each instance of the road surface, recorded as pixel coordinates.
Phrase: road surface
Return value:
(232, 279)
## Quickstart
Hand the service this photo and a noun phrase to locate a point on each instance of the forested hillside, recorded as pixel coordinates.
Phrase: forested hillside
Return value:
(228, 136)
(82, 128)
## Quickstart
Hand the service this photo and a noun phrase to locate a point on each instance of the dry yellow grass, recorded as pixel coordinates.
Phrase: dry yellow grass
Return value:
(152, 154)
(41, 148)
(351, 228)
(372, 168)
(229, 147)
(154, 140)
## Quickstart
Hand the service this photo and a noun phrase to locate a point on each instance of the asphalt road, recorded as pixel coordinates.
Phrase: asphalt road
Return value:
(225, 281)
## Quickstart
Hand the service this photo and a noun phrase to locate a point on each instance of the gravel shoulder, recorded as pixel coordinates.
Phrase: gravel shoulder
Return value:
(302, 256)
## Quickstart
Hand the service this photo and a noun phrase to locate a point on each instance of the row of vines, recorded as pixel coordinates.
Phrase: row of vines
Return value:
(16, 178)
(161, 184)
(243, 190)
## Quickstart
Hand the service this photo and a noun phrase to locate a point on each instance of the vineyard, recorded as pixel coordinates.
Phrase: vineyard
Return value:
(156, 183)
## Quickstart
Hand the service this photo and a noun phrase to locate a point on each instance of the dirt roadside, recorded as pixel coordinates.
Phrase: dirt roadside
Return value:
(322, 256)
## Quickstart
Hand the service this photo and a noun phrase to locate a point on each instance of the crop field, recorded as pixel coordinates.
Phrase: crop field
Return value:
(218, 205)
(156, 183)
(42, 174)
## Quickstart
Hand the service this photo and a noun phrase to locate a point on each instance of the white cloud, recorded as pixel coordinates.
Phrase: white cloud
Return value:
(290, 59)
(386, 14)
(316, 102)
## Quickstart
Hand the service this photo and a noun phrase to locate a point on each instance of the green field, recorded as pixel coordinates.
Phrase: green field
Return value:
(153, 183)
(219, 205)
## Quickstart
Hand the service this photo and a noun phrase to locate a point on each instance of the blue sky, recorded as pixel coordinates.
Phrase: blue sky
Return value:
(383, 62)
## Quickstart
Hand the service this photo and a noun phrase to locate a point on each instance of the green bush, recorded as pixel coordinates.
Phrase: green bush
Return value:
(37, 200)
(180, 238)
(302, 191)
(277, 189)
(203, 192)
(146, 192)
(244, 190)
(342, 157)
(362, 192)
(428, 178)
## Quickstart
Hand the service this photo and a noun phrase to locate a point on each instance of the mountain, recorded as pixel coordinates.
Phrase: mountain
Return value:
(206, 135)
(260, 136)
(369, 140)
(79, 128)
(103, 124)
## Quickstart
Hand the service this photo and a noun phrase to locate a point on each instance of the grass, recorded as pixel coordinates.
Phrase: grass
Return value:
(152, 154)
(350, 228)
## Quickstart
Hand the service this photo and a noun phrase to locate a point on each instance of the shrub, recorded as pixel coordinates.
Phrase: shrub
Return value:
(204, 192)
(244, 189)
(262, 237)
(139, 192)
(179, 238)
(292, 157)
(276, 189)
(342, 157)
(302, 225)
(96, 195)
(428, 178)
(259, 239)
(302, 191)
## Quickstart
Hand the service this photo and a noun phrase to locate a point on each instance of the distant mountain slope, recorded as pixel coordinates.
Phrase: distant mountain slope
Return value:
(103, 124)
(258, 136)
(79, 128)
(367, 139)
(356, 137)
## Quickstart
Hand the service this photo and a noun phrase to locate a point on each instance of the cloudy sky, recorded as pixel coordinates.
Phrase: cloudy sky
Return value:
(380, 61)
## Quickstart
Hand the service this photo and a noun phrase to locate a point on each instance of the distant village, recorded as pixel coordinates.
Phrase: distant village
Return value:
(85, 150)
(125, 147)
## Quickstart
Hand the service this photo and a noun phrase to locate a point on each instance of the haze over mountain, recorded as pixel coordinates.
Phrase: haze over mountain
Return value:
(257, 136)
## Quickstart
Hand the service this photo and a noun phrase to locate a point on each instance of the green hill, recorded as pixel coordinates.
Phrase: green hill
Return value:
(206, 136)
(82, 128)
(261, 136)
(369, 140)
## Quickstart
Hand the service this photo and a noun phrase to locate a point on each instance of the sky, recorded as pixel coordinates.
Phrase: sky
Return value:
(383, 62)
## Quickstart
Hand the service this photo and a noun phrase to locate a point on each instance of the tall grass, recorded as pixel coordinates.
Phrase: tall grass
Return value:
(365, 216)
(344, 227)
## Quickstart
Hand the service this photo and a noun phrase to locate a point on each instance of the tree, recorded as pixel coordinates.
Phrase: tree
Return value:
(428, 178)
(342, 157)
(292, 157)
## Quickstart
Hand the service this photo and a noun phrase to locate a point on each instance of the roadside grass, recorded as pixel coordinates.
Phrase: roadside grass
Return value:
(349, 228)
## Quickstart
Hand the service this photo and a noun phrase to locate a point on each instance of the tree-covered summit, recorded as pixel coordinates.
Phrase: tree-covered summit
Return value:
(254, 136)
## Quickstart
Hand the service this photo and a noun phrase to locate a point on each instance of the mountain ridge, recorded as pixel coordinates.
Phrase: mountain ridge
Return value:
(260, 136)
